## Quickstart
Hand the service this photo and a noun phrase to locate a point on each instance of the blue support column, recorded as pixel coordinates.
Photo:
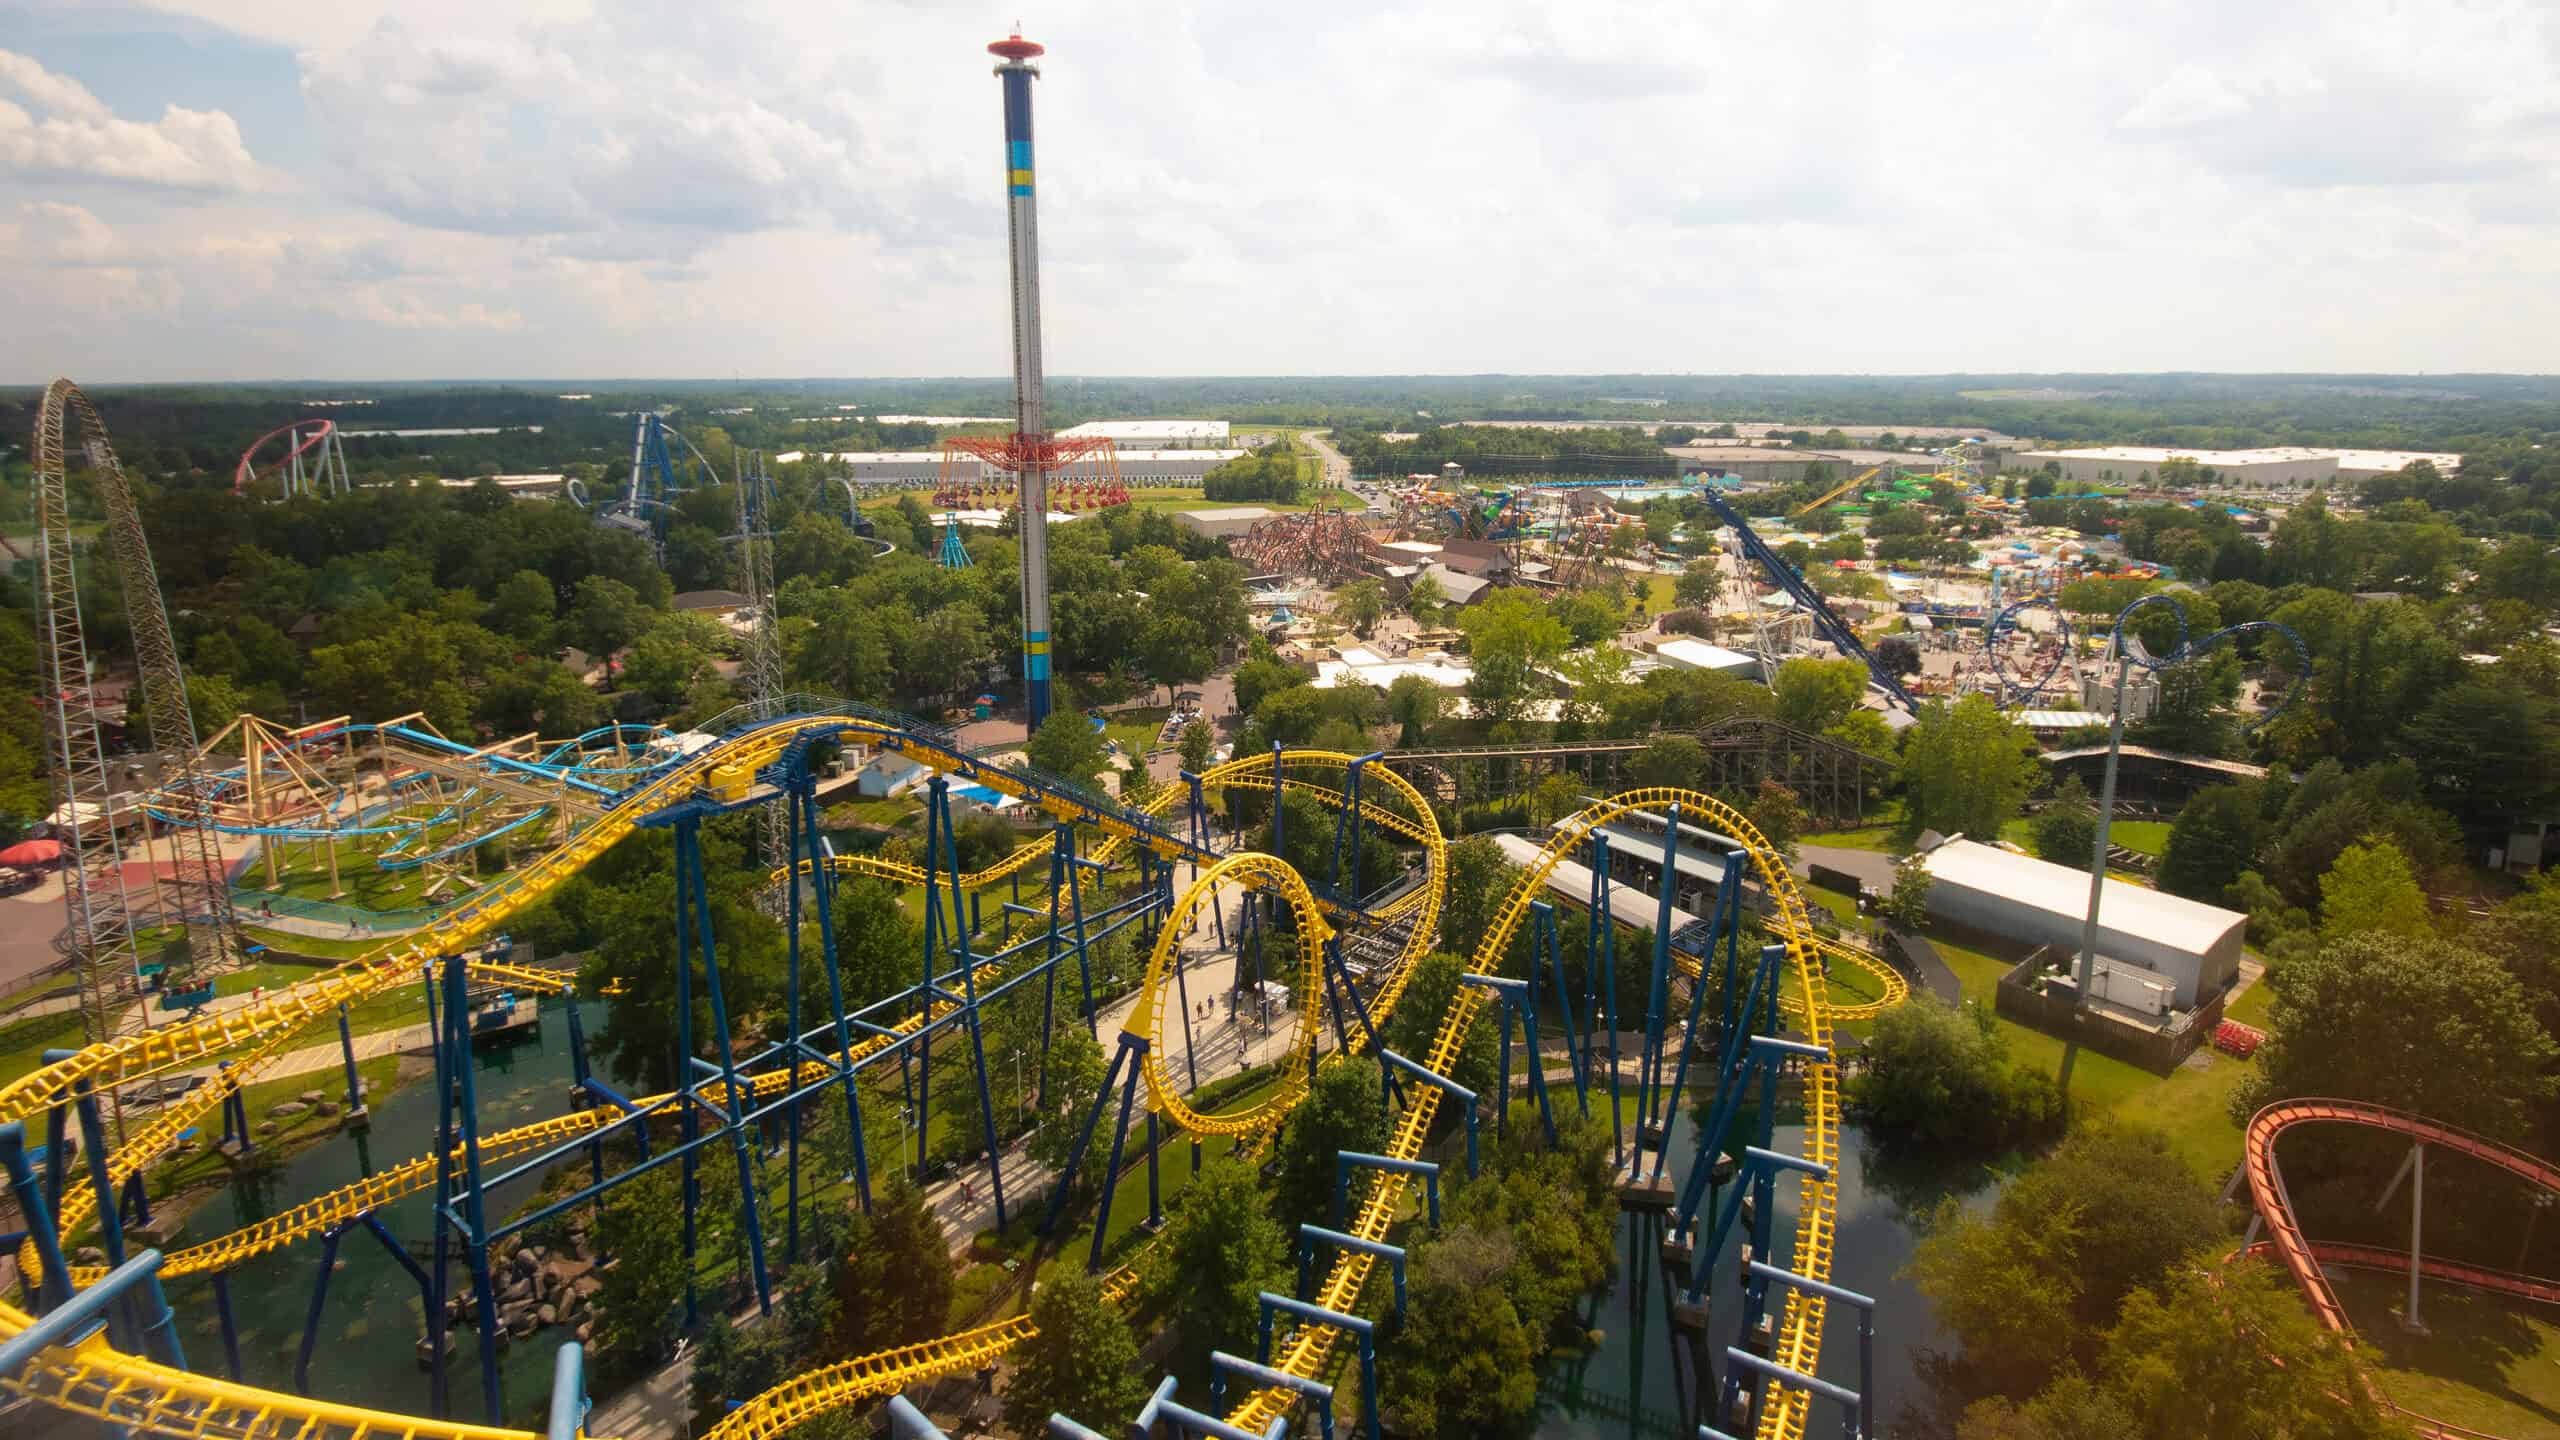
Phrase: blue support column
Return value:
(319, 1298)
(1119, 1137)
(463, 1101)
(732, 1089)
(1543, 923)
(135, 1282)
(1075, 1156)
(568, 1417)
(53, 1287)
(1658, 991)
(230, 1323)
(355, 1087)
(1760, 1167)
(1728, 916)
(1316, 1392)
(1345, 1160)
(1307, 1313)
(93, 1146)
(1517, 1003)
(1464, 1096)
(824, 890)
(1311, 1236)
(969, 1019)
(1600, 958)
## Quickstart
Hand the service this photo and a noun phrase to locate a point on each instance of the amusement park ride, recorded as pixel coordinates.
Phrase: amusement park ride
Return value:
(101, 1342)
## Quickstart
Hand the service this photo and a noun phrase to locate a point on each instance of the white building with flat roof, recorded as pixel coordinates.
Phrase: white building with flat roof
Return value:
(2280, 467)
(2190, 946)
(1154, 434)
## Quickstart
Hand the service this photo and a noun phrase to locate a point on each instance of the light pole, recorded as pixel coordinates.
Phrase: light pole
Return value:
(2130, 652)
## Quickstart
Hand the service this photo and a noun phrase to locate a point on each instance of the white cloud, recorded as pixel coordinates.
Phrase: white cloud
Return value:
(811, 187)
(51, 127)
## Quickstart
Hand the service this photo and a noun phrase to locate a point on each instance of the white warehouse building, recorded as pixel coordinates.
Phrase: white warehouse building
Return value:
(924, 467)
(2287, 467)
(1154, 434)
(2189, 945)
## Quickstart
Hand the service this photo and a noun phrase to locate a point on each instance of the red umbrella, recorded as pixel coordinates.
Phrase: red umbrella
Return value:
(31, 852)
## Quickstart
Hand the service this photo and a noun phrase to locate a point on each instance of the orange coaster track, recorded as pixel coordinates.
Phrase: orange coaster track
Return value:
(2305, 1257)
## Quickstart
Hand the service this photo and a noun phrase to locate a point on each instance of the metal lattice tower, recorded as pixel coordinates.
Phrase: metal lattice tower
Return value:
(763, 671)
(99, 936)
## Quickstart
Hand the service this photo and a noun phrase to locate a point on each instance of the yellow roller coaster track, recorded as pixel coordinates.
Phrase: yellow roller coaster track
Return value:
(96, 1380)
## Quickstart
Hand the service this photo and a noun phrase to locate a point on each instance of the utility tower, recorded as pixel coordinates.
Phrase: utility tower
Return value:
(99, 936)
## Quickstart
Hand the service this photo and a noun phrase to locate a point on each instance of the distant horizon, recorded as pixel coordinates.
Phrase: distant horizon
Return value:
(207, 193)
(1064, 376)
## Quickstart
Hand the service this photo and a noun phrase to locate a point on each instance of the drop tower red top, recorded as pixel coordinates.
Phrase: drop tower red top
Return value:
(1014, 47)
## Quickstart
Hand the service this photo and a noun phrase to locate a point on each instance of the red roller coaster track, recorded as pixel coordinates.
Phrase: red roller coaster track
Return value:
(2305, 1257)
(309, 436)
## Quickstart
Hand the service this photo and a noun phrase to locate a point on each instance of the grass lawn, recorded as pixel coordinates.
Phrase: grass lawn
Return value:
(1660, 594)
(23, 1041)
(2098, 1083)
(2252, 1006)
(1135, 730)
(2151, 837)
(202, 1164)
(2486, 1362)
(1880, 833)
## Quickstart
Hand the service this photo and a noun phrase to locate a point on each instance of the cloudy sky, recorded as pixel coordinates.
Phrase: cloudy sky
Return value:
(229, 189)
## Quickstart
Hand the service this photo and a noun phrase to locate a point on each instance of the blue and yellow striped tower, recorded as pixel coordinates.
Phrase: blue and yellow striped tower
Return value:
(1032, 450)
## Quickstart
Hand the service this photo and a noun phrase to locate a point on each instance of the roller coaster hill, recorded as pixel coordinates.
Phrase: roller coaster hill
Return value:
(100, 1341)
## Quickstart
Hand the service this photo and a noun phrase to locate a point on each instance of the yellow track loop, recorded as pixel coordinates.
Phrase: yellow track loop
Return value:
(1889, 981)
(145, 1146)
(1799, 1339)
(95, 1380)
(1262, 872)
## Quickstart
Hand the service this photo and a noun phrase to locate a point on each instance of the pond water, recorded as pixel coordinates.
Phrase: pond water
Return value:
(1644, 1378)
(369, 1323)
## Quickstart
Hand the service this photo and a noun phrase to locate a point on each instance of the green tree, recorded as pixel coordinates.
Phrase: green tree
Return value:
(1076, 1071)
(1465, 1364)
(1362, 604)
(1674, 760)
(2371, 890)
(1907, 904)
(1479, 879)
(1173, 651)
(675, 650)
(1199, 745)
(1701, 582)
(1263, 676)
(1218, 1254)
(1416, 1021)
(2422, 1025)
(2215, 837)
(1424, 597)
(1814, 694)
(1934, 1077)
(895, 1286)
(1343, 1111)
(523, 609)
(2028, 1287)
(844, 647)
(1966, 768)
(604, 616)
(2492, 747)
(2227, 1352)
(639, 1291)
(1511, 640)
(1415, 703)
(2066, 832)
(1068, 746)
(1080, 1361)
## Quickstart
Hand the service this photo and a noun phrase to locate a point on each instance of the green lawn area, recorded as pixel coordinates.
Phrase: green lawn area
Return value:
(2252, 1006)
(202, 1164)
(2148, 836)
(23, 1041)
(2486, 1362)
(1660, 594)
(1135, 730)
(2098, 1083)
(1879, 834)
